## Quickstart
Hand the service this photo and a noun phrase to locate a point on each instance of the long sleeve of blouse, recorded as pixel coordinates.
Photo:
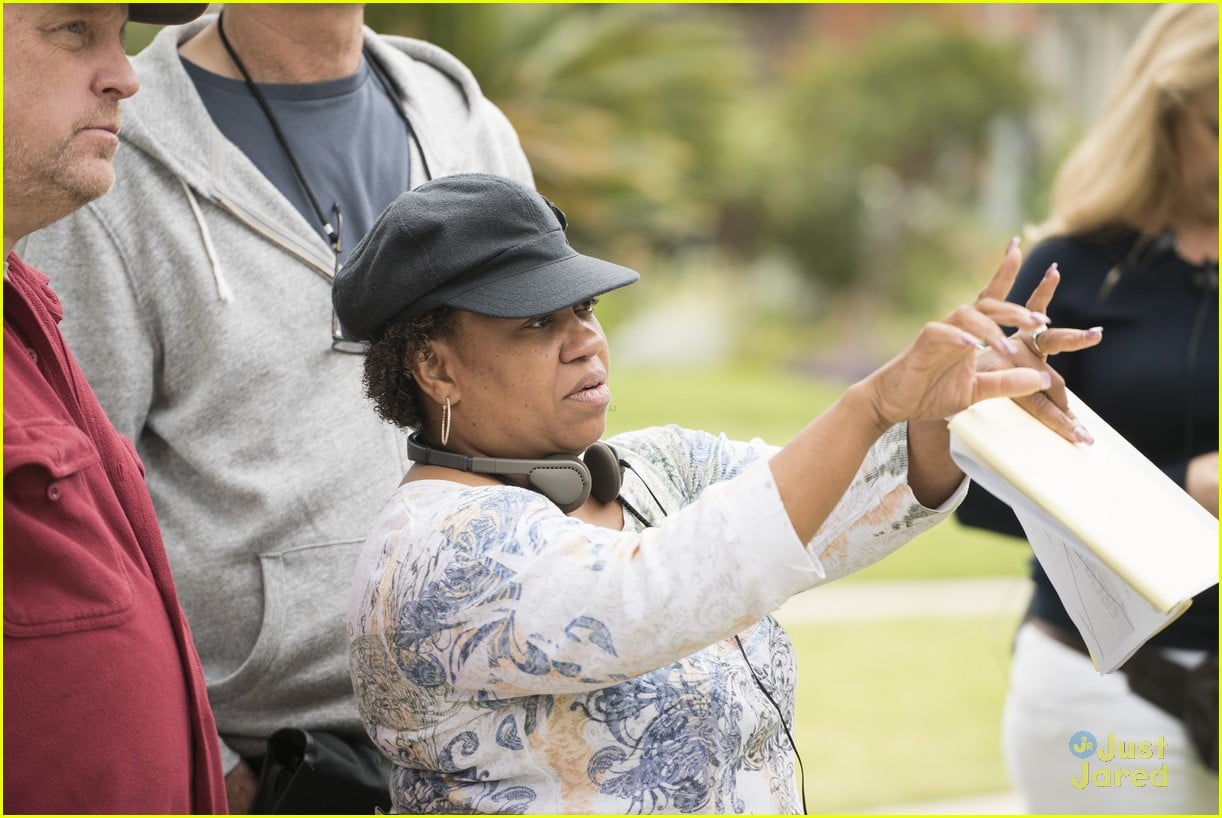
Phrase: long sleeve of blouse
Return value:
(499, 594)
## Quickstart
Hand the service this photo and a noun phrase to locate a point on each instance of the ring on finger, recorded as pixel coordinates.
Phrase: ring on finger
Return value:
(1035, 340)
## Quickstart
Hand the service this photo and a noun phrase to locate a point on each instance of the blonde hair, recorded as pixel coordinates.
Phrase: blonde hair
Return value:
(1124, 170)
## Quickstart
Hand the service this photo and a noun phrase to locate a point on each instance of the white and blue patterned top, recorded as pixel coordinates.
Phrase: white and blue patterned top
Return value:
(508, 658)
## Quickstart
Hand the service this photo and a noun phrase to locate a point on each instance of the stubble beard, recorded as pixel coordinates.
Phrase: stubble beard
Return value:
(42, 188)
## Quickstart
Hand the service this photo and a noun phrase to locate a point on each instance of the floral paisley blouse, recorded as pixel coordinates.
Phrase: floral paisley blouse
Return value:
(508, 658)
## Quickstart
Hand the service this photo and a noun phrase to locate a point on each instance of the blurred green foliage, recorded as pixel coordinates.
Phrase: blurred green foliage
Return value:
(621, 109)
(746, 128)
(887, 136)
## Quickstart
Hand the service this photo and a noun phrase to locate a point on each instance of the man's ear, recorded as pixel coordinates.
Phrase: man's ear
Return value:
(432, 371)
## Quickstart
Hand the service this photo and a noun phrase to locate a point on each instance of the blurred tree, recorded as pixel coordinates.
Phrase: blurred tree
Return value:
(621, 109)
(660, 125)
(875, 125)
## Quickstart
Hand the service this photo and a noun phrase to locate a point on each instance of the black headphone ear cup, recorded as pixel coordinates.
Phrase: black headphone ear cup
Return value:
(606, 473)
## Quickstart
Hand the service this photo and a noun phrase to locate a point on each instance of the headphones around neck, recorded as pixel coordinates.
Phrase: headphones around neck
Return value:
(566, 480)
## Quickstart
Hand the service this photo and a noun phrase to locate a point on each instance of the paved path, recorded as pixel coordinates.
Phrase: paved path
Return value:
(993, 804)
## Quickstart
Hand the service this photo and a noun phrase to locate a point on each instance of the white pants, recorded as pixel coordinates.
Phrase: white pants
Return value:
(1055, 692)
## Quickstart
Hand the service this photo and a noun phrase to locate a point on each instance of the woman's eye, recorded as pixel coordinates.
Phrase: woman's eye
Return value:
(587, 306)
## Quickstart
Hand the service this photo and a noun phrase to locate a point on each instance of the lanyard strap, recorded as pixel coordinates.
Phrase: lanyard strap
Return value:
(333, 232)
(333, 235)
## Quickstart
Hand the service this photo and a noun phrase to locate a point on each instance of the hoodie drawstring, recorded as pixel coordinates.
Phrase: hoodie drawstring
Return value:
(222, 288)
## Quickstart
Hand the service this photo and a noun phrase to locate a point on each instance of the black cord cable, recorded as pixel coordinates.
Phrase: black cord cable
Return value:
(626, 465)
(389, 88)
(632, 510)
(755, 676)
(781, 715)
(332, 234)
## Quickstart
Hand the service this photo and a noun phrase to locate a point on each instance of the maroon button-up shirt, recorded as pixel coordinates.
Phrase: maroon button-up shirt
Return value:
(105, 708)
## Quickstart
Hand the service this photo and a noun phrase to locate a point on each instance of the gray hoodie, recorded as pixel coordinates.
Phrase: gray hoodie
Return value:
(200, 311)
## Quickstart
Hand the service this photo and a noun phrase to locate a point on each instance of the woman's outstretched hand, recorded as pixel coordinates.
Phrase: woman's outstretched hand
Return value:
(967, 357)
(953, 363)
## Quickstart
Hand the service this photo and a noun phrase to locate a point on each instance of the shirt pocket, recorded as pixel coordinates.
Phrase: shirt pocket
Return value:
(63, 529)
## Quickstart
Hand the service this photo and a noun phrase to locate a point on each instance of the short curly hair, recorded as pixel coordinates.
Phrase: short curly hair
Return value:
(388, 376)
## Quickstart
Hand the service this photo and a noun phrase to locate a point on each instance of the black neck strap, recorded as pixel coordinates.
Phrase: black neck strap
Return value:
(333, 232)
(393, 95)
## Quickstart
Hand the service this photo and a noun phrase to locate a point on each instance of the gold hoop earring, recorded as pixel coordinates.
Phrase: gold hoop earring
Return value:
(445, 422)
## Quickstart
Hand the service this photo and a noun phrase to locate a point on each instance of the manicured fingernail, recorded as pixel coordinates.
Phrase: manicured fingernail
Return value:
(971, 340)
(1052, 268)
(1039, 316)
(1013, 243)
(1080, 431)
(1046, 379)
(1094, 332)
(1009, 346)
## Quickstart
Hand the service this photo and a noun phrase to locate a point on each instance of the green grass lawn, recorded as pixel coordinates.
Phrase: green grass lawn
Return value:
(888, 712)
(742, 402)
(895, 712)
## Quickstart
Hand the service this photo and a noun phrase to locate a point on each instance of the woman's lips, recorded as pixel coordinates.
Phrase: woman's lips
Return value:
(597, 394)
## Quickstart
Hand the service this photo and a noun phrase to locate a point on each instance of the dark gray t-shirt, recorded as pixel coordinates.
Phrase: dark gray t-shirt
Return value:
(345, 134)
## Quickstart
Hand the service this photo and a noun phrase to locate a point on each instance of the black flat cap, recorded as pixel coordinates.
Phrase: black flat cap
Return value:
(164, 14)
(476, 242)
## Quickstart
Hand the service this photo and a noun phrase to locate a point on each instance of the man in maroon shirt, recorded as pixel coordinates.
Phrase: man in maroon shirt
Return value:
(105, 708)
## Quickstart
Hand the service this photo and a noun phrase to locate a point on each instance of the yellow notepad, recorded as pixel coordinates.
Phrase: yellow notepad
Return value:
(1125, 547)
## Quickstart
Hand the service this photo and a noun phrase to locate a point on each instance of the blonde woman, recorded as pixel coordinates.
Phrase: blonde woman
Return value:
(1134, 230)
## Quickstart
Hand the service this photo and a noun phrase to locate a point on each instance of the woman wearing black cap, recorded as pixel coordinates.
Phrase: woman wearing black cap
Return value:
(531, 632)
